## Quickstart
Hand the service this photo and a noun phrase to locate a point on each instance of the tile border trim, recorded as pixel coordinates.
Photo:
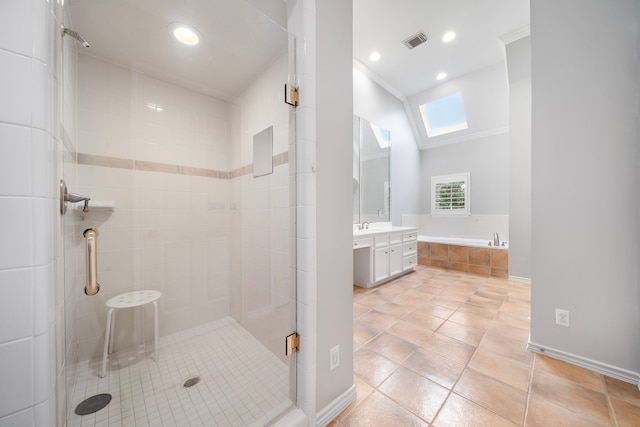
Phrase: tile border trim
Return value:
(142, 165)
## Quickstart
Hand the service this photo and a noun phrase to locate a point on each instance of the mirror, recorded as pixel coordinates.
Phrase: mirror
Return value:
(371, 183)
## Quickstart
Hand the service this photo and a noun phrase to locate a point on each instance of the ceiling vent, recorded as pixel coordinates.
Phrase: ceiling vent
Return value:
(415, 40)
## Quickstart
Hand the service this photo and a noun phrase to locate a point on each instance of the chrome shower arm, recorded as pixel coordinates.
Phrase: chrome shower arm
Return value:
(67, 31)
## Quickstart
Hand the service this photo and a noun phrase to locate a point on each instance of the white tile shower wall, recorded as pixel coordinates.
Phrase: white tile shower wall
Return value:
(262, 105)
(166, 234)
(302, 18)
(265, 242)
(169, 231)
(472, 226)
(30, 372)
(16, 176)
(130, 115)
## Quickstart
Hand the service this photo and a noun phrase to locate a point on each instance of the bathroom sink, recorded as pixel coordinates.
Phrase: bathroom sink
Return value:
(360, 232)
(375, 230)
(367, 231)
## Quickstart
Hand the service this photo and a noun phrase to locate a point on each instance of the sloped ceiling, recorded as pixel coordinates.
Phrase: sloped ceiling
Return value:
(382, 25)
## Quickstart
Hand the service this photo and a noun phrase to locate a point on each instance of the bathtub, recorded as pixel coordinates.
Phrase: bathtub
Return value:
(463, 241)
(476, 256)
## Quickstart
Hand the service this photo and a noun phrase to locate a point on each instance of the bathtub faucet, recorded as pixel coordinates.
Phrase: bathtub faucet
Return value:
(496, 239)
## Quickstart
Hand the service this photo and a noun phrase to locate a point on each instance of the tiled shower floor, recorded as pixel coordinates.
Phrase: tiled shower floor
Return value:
(242, 382)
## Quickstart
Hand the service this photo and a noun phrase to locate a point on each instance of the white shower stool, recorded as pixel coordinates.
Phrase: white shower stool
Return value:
(128, 300)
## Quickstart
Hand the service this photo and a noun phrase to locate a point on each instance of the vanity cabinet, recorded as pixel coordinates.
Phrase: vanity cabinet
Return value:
(395, 254)
(381, 258)
(409, 250)
(381, 264)
(362, 260)
(389, 254)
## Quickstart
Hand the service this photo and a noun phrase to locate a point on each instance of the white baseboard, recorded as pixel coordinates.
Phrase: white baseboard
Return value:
(526, 280)
(594, 365)
(333, 409)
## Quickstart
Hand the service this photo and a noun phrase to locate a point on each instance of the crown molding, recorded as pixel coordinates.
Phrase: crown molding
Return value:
(467, 137)
(376, 78)
(516, 34)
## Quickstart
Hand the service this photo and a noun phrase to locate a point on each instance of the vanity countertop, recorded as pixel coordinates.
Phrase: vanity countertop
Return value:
(380, 230)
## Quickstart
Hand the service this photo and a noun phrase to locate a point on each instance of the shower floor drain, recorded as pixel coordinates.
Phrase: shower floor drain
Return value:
(191, 382)
(93, 404)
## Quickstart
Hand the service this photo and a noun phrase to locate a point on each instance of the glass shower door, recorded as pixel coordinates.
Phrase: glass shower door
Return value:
(183, 148)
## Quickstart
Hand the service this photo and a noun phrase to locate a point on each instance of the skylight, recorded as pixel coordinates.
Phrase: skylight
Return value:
(383, 136)
(444, 115)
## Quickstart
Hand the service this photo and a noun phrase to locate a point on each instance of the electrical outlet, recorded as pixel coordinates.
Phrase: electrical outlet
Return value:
(334, 358)
(562, 317)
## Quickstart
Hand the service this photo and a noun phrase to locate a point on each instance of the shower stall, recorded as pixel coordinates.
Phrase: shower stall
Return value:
(176, 128)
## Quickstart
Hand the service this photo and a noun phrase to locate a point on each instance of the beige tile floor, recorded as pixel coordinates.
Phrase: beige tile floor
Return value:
(444, 348)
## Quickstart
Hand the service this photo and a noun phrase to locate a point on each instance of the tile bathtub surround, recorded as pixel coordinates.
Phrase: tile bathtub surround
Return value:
(468, 259)
(447, 348)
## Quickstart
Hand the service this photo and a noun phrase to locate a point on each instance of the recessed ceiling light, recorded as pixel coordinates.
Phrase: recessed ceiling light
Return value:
(448, 36)
(185, 33)
(441, 76)
(375, 56)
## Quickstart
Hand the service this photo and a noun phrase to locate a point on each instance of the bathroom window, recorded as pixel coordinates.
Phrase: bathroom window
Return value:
(444, 115)
(450, 194)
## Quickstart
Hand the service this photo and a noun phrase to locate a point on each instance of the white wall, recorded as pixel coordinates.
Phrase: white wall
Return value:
(585, 246)
(334, 112)
(487, 159)
(482, 150)
(519, 70)
(324, 131)
(375, 104)
(31, 288)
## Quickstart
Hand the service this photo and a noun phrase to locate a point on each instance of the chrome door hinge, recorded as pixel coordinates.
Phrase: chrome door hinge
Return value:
(291, 95)
(292, 344)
